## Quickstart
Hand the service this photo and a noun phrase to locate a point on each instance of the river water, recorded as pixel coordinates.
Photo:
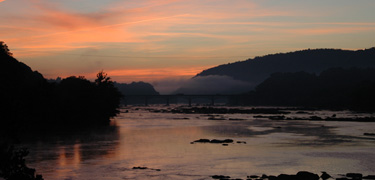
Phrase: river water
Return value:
(162, 143)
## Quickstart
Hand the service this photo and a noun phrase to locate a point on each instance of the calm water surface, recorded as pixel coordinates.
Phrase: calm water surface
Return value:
(162, 142)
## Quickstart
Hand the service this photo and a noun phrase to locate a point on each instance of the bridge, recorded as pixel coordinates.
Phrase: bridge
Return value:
(189, 97)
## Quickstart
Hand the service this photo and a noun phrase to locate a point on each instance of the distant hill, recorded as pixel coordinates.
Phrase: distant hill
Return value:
(335, 88)
(255, 71)
(136, 88)
(213, 84)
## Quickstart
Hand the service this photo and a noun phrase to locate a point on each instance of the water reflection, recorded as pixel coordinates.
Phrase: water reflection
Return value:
(63, 154)
(162, 141)
(70, 158)
(303, 133)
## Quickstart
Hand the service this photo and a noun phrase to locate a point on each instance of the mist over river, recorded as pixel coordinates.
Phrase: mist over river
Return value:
(145, 143)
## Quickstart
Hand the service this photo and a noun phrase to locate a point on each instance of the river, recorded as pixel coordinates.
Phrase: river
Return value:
(162, 142)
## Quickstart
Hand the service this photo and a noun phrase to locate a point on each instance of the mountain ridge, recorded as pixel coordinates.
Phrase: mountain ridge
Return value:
(255, 70)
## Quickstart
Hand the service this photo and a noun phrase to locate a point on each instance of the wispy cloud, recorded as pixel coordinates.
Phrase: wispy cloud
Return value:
(329, 30)
(65, 28)
(170, 33)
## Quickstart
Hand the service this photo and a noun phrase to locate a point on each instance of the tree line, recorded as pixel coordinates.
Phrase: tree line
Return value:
(29, 102)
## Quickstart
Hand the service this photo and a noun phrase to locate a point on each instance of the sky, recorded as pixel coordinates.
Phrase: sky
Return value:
(171, 40)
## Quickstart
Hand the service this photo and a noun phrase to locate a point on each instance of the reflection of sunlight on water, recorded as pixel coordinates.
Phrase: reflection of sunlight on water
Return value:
(66, 156)
(156, 147)
(77, 155)
(65, 159)
(256, 128)
(162, 141)
(62, 157)
(353, 128)
(69, 160)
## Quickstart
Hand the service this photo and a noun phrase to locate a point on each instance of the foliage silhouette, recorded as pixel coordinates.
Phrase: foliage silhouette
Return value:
(29, 102)
(4, 49)
(12, 164)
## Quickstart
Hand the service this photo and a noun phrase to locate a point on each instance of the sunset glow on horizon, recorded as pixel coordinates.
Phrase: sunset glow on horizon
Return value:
(151, 40)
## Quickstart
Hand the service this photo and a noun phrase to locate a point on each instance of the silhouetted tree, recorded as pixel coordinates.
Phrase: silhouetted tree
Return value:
(102, 78)
(108, 96)
(87, 103)
(4, 49)
(29, 102)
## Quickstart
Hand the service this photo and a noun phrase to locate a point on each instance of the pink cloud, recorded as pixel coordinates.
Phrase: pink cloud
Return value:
(191, 30)
(62, 28)
(119, 24)
(58, 18)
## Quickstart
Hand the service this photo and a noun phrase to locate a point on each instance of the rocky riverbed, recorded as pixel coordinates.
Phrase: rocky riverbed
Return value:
(302, 175)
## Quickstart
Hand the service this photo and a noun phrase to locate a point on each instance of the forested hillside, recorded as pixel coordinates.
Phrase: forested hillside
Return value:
(258, 69)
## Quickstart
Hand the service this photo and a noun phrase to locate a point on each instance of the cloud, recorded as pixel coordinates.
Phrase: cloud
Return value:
(213, 84)
(59, 28)
(328, 30)
(154, 39)
(136, 20)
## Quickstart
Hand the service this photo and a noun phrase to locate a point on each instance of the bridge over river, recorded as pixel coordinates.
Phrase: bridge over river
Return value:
(169, 99)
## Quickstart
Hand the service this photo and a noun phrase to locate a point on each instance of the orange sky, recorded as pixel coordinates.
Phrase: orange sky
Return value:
(151, 40)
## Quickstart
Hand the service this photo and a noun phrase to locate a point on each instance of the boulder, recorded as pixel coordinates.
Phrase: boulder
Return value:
(203, 141)
(369, 177)
(287, 177)
(220, 177)
(304, 175)
(356, 176)
(221, 141)
(325, 175)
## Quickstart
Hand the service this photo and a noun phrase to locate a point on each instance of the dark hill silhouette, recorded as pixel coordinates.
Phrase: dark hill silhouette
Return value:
(335, 88)
(258, 69)
(136, 88)
(16, 74)
(20, 90)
